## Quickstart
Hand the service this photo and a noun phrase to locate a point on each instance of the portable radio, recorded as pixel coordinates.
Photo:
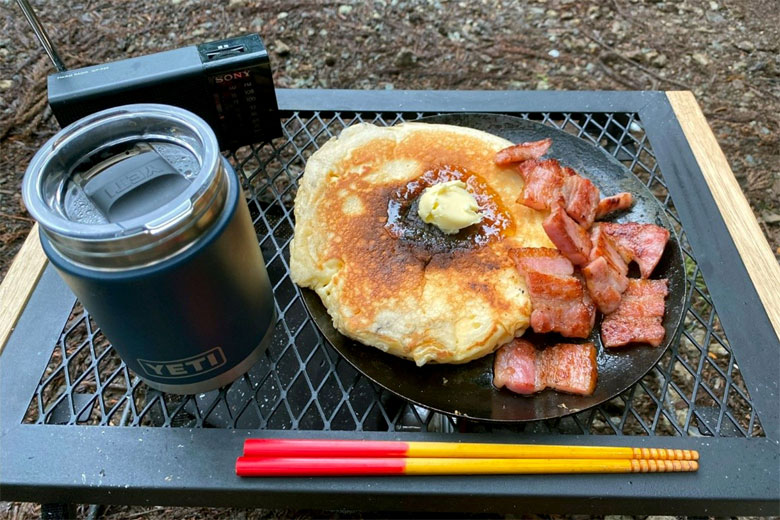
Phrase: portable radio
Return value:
(228, 83)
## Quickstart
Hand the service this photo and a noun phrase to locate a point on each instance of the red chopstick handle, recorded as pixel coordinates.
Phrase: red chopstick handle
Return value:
(321, 467)
(323, 448)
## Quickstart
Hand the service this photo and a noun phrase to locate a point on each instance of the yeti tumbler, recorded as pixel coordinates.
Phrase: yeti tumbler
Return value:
(146, 222)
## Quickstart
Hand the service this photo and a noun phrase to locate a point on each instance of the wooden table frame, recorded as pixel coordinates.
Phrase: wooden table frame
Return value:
(755, 277)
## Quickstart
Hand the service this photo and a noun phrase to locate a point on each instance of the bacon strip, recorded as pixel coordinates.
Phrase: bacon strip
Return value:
(560, 304)
(514, 367)
(617, 202)
(570, 368)
(580, 198)
(568, 236)
(605, 275)
(565, 367)
(542, 260)
(543, 183)
(643, 243)
(604, 284)
(522, 152)
(638, 318)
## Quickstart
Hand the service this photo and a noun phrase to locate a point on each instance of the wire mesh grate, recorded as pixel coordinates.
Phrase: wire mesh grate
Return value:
(301, 383)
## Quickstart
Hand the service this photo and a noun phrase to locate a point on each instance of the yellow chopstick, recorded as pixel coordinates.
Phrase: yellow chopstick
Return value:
(530, 451)
(534, 466)
(341, 467)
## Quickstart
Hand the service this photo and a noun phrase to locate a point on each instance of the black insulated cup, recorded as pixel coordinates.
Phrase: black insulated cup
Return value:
(147, 224)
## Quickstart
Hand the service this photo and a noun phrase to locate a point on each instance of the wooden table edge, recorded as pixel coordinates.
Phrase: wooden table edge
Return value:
(755, 251)
(19, 283)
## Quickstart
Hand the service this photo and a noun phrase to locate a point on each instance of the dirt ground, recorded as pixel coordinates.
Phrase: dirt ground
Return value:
(725, 51)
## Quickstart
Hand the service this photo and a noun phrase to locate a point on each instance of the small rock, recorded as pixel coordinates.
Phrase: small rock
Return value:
(5, 84)
(714, 6)
(552, 13)
(771, 218)
(344, 10)
(554, 53)
(405, 58)
(236, 3)
(758, 66)
(660, 61)
(634, 54)
(714, 17)
(649, 55)
(542, 85)
(176, 2)
(282, 15)
(281, 48)
(745, 45)
(661, 518)
(257, 23)
(389, 86)
(750, 160)
(701, 59)
(323, 32)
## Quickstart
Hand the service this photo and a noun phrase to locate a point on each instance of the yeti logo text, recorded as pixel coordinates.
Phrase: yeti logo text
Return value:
(231, 76)
(185, 367)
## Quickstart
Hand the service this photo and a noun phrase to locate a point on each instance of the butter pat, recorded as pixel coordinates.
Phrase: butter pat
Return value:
(449, 207)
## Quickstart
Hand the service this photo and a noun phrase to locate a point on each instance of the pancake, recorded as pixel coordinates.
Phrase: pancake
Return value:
(393, 282)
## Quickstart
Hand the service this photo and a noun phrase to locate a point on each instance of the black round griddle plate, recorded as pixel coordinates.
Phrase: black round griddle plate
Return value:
(467, 390)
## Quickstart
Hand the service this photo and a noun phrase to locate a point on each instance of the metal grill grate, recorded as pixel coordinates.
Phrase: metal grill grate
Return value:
(301, 383)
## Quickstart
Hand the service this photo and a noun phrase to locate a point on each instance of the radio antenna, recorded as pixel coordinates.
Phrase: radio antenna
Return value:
(40, 32)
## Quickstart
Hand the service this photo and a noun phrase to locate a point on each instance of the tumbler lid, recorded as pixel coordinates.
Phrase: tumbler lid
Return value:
(127, 186)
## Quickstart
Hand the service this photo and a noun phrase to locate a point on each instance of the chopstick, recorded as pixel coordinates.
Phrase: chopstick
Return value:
(322, 467)
(318, 458)
(315, 448)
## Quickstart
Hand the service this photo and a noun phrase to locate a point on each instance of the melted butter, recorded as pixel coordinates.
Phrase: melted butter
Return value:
(449, 206)
(404, 223)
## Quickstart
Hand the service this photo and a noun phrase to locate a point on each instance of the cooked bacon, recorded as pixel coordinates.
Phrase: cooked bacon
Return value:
(643, 243)
(617, 202)
(570, 368)
(542, 260)
(565, 367)
(522, 152)
(515, 368)
(543, 183)
(605, 284)
(568, 236)
(603, 246)
(580, 198)
(639, 315)
(560, 304)
(605, 275)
